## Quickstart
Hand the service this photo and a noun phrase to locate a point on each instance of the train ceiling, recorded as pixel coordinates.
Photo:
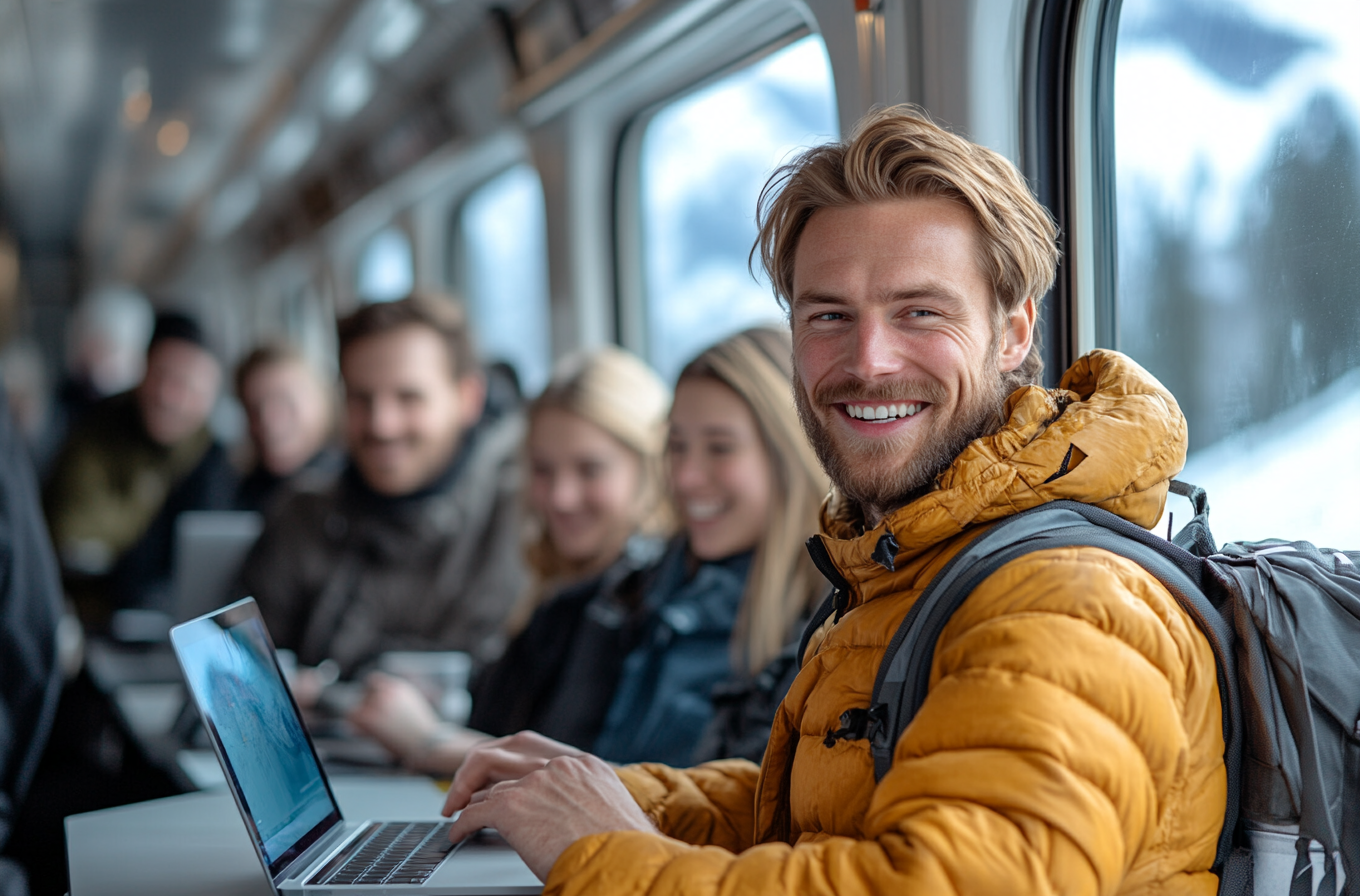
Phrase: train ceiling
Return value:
(131, 129)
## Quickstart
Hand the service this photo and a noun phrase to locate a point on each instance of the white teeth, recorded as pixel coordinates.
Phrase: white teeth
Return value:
(696, 511)
(883, 412)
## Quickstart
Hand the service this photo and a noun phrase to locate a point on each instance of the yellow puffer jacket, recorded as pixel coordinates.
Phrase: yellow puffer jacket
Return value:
(1071, 741)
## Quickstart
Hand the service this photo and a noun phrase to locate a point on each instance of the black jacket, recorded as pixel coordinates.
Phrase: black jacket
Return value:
(30, 606)
(558, 675)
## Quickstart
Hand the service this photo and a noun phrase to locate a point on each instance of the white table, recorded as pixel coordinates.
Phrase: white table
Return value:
(197, 844)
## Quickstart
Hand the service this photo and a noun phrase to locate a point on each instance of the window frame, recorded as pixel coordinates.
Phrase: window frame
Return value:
(631, 299)
(483, 163)
(576, 123)
(1068, 139)
(455, 268)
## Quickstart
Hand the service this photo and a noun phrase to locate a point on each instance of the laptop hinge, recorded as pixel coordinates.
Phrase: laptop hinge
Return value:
(330, 841)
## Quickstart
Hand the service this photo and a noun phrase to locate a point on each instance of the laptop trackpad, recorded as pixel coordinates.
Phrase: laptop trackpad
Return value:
(485, 865)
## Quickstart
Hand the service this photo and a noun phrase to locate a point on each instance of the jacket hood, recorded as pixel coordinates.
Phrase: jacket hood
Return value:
(1109, 435)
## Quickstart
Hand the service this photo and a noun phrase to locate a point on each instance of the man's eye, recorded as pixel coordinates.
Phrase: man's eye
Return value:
(829, 315)
(920, 312)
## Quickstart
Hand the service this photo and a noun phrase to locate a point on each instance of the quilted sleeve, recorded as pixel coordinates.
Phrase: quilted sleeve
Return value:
(1070, 743)
(712, 805)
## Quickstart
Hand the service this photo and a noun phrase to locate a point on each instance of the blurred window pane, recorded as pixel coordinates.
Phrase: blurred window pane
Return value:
(503, 228)
(704, 159)
(1238, 187)
(386, 267)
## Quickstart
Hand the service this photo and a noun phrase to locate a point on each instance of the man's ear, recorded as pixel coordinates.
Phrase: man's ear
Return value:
(472, 397)
(1017, 335)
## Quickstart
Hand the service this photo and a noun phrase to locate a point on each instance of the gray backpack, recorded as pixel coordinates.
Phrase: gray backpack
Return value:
(1283, 619)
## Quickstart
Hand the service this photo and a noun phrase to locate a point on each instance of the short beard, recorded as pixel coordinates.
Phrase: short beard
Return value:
(878, 489)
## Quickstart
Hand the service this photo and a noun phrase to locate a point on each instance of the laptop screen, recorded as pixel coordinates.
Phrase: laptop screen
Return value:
(228, 662)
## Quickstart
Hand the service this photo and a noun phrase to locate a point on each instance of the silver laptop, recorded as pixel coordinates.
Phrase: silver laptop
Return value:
(210, 546)
(302, 840)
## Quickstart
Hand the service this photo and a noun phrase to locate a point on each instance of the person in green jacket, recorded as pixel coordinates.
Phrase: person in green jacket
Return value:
(134, 462)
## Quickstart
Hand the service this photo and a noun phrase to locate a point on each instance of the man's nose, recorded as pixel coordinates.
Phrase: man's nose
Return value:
(874, 351)
(384, 419)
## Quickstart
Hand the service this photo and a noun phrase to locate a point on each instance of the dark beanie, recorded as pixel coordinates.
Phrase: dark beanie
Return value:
(178, 325)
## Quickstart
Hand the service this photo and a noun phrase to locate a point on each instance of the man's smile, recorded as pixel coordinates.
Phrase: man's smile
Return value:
(872, 412)
(878, 419)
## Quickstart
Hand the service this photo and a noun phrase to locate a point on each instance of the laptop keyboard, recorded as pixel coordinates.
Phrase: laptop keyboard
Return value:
(395, 853)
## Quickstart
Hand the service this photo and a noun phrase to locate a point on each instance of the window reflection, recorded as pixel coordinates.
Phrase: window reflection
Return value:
(1237, 128)
(503, 228)
(704, 159)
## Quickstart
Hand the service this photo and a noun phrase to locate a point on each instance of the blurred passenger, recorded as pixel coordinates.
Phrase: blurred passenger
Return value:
(106, 346)
(503, 392)
(28, 392)
(138, 460)
(730, 594)
(597, 519)
(30, 607)
(9, 284)
(416, 545)
(290, 415)
(725, 597)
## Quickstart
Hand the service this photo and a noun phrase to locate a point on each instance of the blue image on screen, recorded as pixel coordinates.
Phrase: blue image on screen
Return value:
(234, 677)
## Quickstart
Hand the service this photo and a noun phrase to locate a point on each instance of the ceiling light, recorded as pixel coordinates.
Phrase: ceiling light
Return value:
(290, 147)
(172, 138)
(351, 85)
(136, 108)
(397, 27)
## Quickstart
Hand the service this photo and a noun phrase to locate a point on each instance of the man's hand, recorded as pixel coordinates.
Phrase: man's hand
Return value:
(504, 759)
(545, 811)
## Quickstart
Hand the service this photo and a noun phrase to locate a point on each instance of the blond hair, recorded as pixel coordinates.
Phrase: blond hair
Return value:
(783, 585)
(898, 153)
(620, 394)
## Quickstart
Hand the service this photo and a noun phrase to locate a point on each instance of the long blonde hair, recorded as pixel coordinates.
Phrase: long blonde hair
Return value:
(783, 584)
(621, 395)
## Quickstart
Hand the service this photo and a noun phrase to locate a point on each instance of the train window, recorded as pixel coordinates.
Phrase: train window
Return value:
(1237, 159)
(502, 230)
(386, 267)
(703, 160)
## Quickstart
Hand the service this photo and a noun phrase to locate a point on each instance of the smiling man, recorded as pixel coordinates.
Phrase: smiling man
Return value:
(416, 545)
(1071, 739)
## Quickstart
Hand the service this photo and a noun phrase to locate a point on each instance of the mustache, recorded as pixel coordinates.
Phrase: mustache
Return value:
(889, 392)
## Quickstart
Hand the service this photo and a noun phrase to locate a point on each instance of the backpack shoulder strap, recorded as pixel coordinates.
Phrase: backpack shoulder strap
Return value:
(904, 674)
